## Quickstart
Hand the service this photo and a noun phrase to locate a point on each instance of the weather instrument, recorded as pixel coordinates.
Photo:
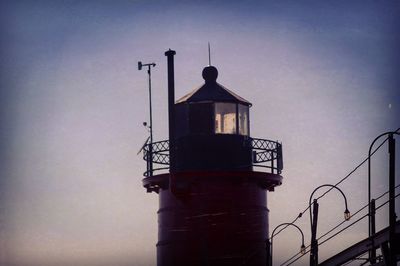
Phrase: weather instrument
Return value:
(150, 126)
(144, 144)
(141, 65)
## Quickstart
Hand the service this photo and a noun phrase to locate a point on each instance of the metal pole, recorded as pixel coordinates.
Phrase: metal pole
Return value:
(269, 252)
(149, 154)
(369, 198)
(372, 221)
(151, 126)
(171, 104)
(314, 220)
(392, 214)
(273, 235)
(371, 231)
(390, 133)
(314, 242)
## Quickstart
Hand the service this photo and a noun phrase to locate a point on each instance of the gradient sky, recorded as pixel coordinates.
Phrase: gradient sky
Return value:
(322, 77)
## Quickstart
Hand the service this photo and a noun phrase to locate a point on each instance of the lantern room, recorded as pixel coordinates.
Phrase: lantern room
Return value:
(212, 127)
(212, 109)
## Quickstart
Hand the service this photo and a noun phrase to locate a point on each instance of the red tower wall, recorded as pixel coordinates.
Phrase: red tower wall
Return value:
(213, 218)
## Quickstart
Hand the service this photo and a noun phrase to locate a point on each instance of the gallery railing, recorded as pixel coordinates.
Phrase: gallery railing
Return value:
(265, 153)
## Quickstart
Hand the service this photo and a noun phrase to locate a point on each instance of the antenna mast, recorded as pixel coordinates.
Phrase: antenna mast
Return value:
(209, 54)
(140, 66)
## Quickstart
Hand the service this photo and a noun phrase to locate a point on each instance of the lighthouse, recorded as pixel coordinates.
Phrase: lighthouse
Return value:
(211, 178)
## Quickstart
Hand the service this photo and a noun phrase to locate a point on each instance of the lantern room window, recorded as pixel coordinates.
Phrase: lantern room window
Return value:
(225, 118)
(243, 119)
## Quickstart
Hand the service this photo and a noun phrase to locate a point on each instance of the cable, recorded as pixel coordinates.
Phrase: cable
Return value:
(342, 222)
(358, 166)
(340, 181)
(342, 229)
(345, 228)
(353, 223)
(386, 192)
(355, 214)
(330, 238)
(377, 208)
(296, 258)
(383, 194)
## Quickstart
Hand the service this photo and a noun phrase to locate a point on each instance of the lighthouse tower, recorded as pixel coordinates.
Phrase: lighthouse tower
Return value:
(211, 178)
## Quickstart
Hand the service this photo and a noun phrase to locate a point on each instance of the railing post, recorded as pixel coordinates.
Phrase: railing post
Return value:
(392, 214)
(150, 159)
(268, 252)
(254, 155)
(279, 157)
(272, 162)
(372, 223)
(385, 253)
(148, 162)
(314, 242)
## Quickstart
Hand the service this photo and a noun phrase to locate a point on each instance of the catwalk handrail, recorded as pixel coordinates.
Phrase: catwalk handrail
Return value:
(265, 153)
(296, 256)
(338, 183)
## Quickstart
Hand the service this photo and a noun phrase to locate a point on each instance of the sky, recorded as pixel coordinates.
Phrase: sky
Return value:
(322, 77)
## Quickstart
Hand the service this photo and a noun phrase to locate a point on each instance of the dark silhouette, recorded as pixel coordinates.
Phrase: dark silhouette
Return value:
(213, 205)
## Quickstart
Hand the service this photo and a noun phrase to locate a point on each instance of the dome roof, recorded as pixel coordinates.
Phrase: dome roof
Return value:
(212, 91)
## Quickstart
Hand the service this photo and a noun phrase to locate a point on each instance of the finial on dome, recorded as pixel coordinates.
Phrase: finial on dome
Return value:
(210, 74)
(209, 54)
